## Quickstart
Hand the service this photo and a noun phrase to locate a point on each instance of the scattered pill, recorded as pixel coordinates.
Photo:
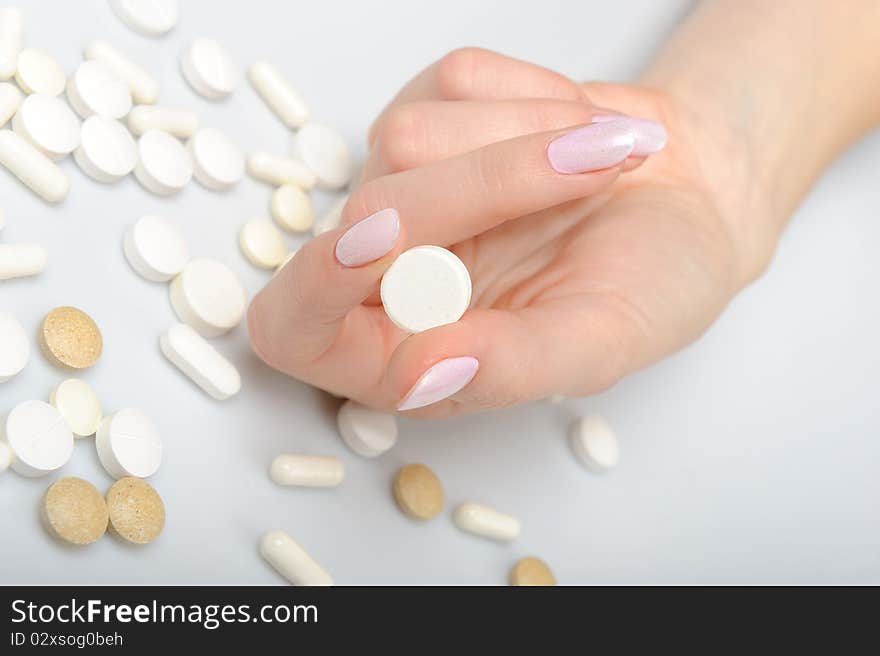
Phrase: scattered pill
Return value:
(201, 362)
(10, 41)
(33, 168)
(594, 443)
(144, 87)
(486, 522)
(182, 123)
(209, 297)
(292, 209)
(209, 70)
(5, 456)
(38, 72)
(20, 260)
(74, 511)
(79, 405)
(531, 571)
(49, 124)
(262, 244)
(331, 219)
(15, 348)
(39, 438)
(147, 17)
(128, 444)
(279, 94)
(292, 561)
(164, 166)
(425, 287)
(217, 160)
(367, 432)
(325, 152)
(136, 511)
(280, 170)
(70, 338)
(155, 248)
(307, 471)
(107, 152)
(10, 101)
(418, 492)
(95, 89)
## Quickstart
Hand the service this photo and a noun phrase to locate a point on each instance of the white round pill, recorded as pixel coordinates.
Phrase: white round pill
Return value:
(155, 248)
(49, 124)
(129, 445)
(79, 405)
(292, 208)
(217, 160)
(262, 244)
(5, 456)
(367, 432)
(15, 348)
(39, 437)
(325, 152)
(426, 287)
(95, 89)
(209, 70)
(164, 165)
(594, 443)
(147, 17)
(107, 152)
(209, 297)
(38, 72)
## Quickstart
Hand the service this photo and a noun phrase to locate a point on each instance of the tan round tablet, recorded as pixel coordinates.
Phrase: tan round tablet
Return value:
(71, 338)
(531, 571)
(418, 491)
(75, 511)
(137, 513)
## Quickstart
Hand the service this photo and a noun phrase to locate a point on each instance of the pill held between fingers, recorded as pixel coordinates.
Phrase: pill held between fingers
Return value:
(155, 248)
(107, 152)
(531, 571)
(280, 170)
(209, 69)
(129, 444)
(15, 348)
(486, 522)
(292, 561)
(5, 456)
(20, 260)
(201, 362)
(325, 152)
(331, 219)
(209, 297)
(74, 511)
(181, 123)
(49, 124)
(38, 72)
(217, 160)
(594, 443)
(279, 94)
(10, 101)
(70, 338)
(39, 438)
(10, 41)
(144, 87)
(136, 511)
(95, 89)
(418, 492)
(307, 471)
(292, 209)
(164, 165)
(32, 167)
(79, 405)
(147, 17)
(366, 431)
(262, 244)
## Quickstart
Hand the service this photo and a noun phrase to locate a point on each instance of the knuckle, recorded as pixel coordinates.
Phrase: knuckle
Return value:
(455, 71)
(399, 137)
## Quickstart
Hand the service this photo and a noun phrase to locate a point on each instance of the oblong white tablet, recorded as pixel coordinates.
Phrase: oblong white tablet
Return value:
(279, 94)
(155, 248)
(292, 561)
(39, 438)
(182, 123)
(325, 152)
(32, 167)
(425, 287)
(95, 88)
(15, 348)
(164, 166)
(594, 443)
(367, 432)
(262, 244)
(292, 209)
(144, 87)
(209, 69)
(49, 124)
(209, 297)
(217, 160)
(10, 101)
(107, 152)
(331, 219)
(280, 170)
(79, 405)
(20, 260)
(38, 72)
(10, 40)
(147, 17)
(201, 362)
(306, 471)
(486, 522)
(128, 444)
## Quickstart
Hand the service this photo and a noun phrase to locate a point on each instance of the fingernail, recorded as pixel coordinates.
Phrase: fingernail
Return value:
(591, 148)
(440, 382)
(369, 239)
(650, 136)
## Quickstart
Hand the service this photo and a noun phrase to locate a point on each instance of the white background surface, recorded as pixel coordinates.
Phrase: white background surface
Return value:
(750, 457)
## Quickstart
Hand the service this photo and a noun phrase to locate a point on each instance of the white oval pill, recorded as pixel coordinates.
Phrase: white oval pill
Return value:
(10, 101)
(32, 167)
(107, 152)
(128, 444)
(79, 405)
(5, 456)
(425, 287)
(147, 17)
(331, 219)
(39, 438)
(594, 443)
(209, 297)
(367, 432)
(15, 348)
(292, 561)
(201, 362)
(95, 89)
(10, 40)
(49, 124)
(325, 152)
(262, 244)
(20, 260)
(209, 69)
(38, 72)
(486, 522)
(307, 471)
(181, 123)
(292, 209)
(155, 248)
(279, 94)
(144, 87)
(164, 166)
(217, 160)
(279, 170)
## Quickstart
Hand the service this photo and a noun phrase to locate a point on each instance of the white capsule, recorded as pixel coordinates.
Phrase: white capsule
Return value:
(367, 432)
(15, 347)
(49, 124)
(262, 244)
(79, 405)
(279, 94)
(182, 123)
(217, 160)
(594, 443)
(95, 89)
(6, 456)
(325, 152)
(10, 101)
(292, 561)
(21, 260)
(37, 72)
(486, 522)
(155, 248)
(128, 444)
(209, 297)
(292, 209)
(107, 152)
(164, 165)
(209, 69)
(144, 87)
(39, 438)
(32, 167)
(331, 219)
(201, 362)
(147, 17)
(307, 471)
(279, 170)
(10, 41)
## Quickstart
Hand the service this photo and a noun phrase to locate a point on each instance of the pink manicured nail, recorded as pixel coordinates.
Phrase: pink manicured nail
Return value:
(591, 148)
(369, 239)
(650, 136)
(440, 381)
